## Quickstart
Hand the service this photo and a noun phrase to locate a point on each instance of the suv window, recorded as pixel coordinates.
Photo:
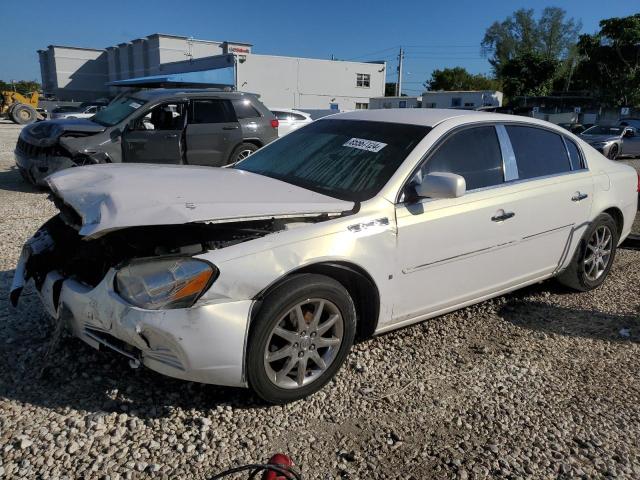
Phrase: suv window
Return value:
(281, 115)
(212, 111)
(538, 152)
(244, 109)
(574, 155)
(473, 153)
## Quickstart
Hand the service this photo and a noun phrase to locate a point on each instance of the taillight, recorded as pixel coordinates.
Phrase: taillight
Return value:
(275, 123)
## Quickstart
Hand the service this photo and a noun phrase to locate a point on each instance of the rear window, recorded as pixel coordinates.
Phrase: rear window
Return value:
(212, 111)
(538, 152)
(244, 109)
(574, 155)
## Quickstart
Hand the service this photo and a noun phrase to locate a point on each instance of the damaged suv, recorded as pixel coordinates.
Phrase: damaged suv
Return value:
(263, 274)
(196, 127)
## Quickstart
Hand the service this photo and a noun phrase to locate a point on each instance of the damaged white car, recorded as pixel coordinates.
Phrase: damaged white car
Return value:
(262, 275)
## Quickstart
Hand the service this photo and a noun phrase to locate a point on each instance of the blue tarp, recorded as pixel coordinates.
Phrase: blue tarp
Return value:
(221, 77)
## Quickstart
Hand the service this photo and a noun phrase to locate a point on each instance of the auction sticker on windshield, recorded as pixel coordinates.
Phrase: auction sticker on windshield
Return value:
(362, 144)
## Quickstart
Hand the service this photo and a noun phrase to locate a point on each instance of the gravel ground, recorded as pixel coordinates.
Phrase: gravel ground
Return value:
(542, 383)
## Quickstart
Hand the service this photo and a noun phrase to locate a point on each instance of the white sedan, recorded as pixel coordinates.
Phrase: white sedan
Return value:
(290, 120)
(263, 274)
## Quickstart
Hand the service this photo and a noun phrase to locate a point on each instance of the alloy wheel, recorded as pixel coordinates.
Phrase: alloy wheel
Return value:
(613, 152)
(598, 253)
(244, 154)
(303, 343)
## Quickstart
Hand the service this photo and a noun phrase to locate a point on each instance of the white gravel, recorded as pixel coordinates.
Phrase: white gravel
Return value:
(537, 384)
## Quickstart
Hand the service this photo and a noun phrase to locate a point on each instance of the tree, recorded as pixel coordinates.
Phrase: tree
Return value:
(458, 78)
(24, 87)
(528, 74)
(551, 36)
(610, 62)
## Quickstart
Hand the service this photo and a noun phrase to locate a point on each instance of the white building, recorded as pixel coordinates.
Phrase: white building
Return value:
(395, 102)
(72, 73)
(462, 99)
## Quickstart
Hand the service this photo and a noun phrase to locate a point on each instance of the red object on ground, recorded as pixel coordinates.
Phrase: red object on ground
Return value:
(281, 460)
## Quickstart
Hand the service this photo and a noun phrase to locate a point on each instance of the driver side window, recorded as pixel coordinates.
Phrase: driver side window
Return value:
(474, 153)
(167, 116)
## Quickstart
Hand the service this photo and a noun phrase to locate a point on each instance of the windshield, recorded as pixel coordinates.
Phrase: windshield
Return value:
(346, 159)
(117, 111)
(603, 130)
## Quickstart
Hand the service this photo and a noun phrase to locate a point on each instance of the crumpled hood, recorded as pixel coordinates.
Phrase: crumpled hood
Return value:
(599, 138)
(47, 133)
(113, 196)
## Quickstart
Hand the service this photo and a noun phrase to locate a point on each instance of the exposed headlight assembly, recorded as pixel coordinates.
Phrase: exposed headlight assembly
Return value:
(174, 282)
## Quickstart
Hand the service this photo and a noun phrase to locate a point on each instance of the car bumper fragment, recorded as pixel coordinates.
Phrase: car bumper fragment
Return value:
(36, 169)
(204, 343)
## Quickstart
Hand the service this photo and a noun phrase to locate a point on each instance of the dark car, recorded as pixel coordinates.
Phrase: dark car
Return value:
(196, 127)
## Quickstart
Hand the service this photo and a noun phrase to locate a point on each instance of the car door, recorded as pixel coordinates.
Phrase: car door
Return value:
(631, 142)
(212, 132)
(156, 136)
(554, 192)
(454, 250)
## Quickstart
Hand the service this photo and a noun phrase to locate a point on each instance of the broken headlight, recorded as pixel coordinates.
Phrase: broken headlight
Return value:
(156, 284)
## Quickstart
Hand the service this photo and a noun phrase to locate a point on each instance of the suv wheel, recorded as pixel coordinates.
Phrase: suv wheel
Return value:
(301, 336)
(241, 152)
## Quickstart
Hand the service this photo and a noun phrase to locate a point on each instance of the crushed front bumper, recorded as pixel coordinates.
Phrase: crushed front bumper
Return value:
(202, 344)
(36, 169)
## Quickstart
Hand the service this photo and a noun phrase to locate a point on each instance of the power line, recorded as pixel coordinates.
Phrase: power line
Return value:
(372, 53)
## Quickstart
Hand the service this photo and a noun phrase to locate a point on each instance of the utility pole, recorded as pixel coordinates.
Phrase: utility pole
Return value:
(399, 82)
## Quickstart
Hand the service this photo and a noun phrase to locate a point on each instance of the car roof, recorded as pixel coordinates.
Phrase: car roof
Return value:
(156, 93)
(430, 117)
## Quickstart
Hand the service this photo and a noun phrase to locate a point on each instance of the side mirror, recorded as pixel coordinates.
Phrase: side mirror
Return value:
(628, 133)
(441, 185)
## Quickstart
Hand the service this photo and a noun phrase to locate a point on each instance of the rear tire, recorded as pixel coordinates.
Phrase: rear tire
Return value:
(24, 114)
(594, 256)
(300, 338)
(241, 152)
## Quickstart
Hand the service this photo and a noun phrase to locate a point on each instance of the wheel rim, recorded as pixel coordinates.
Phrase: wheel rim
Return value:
(598, 253)
(304, 343)
(244, 154)
(613, 153)
(24, 114)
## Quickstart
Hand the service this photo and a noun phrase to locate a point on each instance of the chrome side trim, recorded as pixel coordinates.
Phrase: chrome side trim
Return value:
(458, 257)
(547, 231)
(508, 155)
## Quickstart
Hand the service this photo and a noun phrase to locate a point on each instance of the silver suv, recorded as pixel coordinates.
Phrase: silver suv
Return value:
(196, 127)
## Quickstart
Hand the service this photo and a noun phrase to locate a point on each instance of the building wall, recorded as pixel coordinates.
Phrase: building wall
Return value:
(462, 99)
(394, 102)
(290, 82)
(75, 73)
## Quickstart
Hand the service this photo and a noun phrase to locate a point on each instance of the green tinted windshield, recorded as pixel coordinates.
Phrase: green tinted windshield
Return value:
(117, 111)
(346, 159)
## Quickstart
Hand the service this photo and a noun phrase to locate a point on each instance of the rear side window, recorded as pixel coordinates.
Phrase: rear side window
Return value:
(473, 153)
(212, 111)
(281, 115)
(297, 116)
(538, 152)
(244, 109)
(574, 155)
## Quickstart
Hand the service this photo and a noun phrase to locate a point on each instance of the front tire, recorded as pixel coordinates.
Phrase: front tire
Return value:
(613, 152)
(300, 338)
(594, 256)
(24, 114)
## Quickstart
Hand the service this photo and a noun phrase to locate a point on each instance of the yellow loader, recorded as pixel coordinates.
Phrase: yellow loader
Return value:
(21, 109)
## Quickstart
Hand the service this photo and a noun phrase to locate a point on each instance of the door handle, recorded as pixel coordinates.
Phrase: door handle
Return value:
(503, 216)
(232, 127)
(171, 135)
(579, 197)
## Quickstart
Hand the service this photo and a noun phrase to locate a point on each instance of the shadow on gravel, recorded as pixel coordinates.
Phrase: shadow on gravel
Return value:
(12, 181)
(552, 319)
(79, 377)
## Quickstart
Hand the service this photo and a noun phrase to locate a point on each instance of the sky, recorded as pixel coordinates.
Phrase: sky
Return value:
(435, 34)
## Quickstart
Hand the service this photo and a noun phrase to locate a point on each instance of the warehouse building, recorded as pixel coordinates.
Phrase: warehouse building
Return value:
(80, 74)
(462, 99)
(395, 102)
